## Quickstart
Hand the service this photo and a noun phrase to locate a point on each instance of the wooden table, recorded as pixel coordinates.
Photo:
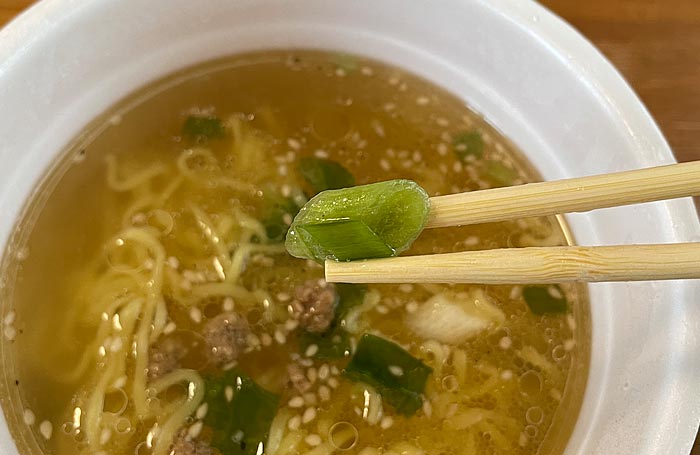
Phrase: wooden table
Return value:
(654, 43)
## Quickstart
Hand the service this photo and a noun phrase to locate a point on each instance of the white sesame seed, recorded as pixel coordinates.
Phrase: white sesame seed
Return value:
(311, 375)
(296, 402)
(266, 339)
(287, 219)
(333, 383)
(282, 170)
(334, 370)
(505, 343)
(280, 337)
(389, 106)
(29, 417)
(291, 324)
(308, 416)
(10, 333)
(340, 72)
(366, 71)
(324, 393)
(311, 351)
(406, 288)
(417, 156)
(116, 345)
(294, 143)
(202, 411)
(10, 318)
(393, 80)
(411, 307)
(323, 372)
(396, 370)
(320, 153)
(569, 344)
(384, 164)
(46, 429)
(472, 240)
(381, 309)
(427, 408)
(105, 436)
(119, 382)
(443, 122)
(457, 166)
(442, 148)
(507, 375)
(228, 392)
(194, 430)
(294, 423)
(283, 297)
(173, 262)
(310, 399)
(313, 440)
(554, 292)
(422, 100)
(386, 422)
(196, 315)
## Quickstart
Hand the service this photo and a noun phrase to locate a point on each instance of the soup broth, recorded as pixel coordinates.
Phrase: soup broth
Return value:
(150, 306)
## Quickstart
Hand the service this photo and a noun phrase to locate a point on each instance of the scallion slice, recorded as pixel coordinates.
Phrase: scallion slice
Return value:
(376, 220)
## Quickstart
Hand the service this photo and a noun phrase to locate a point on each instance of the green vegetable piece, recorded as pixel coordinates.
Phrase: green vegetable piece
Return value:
(468, 144)
(203, 127)
(541, 301)
(273, 214)
(499, 173)
(345, 61)
(395, 373)
(349, 296)
(334, 343)
(240, 425)
(344, 240)
(376, 220)
(324, 175)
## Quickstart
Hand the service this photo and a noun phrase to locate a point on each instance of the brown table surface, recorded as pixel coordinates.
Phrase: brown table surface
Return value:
(654, 43)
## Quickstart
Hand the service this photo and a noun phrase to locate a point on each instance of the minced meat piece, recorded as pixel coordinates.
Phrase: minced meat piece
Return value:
(314, 306)
(297, 378)
(165, 356)
(186, 445)
(226, 335)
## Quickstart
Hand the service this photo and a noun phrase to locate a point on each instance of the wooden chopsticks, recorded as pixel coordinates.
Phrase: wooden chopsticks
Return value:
(545, 264)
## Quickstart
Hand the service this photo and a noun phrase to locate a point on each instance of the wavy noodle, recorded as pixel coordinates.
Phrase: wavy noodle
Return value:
(125, 289)
(135, 179)
(171, 425)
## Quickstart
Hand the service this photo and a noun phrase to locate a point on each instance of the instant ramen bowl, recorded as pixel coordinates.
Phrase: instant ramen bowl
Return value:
(65, 62)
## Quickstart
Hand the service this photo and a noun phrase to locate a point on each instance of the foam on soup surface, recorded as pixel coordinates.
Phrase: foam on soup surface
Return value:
(150, 306)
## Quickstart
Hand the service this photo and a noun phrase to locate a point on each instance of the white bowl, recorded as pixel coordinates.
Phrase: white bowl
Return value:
(65, 61)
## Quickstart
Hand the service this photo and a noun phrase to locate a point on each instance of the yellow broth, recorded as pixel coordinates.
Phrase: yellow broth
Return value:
(514, 387)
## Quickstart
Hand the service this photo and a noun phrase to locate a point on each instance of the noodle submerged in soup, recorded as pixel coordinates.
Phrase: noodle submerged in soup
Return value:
(150, 306)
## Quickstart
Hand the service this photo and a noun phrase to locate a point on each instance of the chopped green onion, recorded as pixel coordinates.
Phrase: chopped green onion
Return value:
(203, 127)
(332, 344)
(324, 175)
(343, 240)
(542, 301)
(376, 220)
(468, 144)
(239, 413)
(345, 61)
(499, 174)
(275, 209)
(396, 374)
(349, 296)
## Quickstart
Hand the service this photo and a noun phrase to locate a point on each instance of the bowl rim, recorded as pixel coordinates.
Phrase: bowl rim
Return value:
(613, 91)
